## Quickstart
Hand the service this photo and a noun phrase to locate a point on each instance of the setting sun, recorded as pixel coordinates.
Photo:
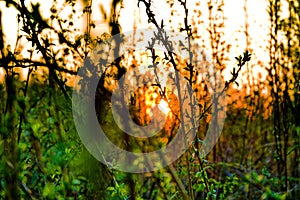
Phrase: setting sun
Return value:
(149, 99)
(164, 106)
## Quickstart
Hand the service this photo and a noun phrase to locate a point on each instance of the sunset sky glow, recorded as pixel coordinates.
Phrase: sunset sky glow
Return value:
(234, 25)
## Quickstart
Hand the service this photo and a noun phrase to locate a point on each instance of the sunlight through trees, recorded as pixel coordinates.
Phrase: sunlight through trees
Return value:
(254, 47)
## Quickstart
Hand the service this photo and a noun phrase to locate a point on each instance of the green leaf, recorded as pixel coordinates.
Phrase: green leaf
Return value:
(110, 188)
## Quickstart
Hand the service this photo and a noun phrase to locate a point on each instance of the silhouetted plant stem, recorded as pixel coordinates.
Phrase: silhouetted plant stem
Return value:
(242, 60)
(188, 31)
(10, 138)
(163, 38)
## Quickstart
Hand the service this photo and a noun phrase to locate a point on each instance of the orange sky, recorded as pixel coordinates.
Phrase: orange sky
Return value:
(258, 24)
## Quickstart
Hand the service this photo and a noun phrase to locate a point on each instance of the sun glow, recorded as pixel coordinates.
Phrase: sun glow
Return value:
(164, 106)
(132, 17)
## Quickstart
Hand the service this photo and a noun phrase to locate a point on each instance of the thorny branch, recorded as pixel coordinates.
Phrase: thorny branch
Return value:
(163, 37)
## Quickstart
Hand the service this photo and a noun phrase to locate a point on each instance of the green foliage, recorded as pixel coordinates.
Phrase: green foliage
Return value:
(42, 157)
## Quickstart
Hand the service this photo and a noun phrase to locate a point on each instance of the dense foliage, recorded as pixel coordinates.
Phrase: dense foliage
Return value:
(42, 157)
